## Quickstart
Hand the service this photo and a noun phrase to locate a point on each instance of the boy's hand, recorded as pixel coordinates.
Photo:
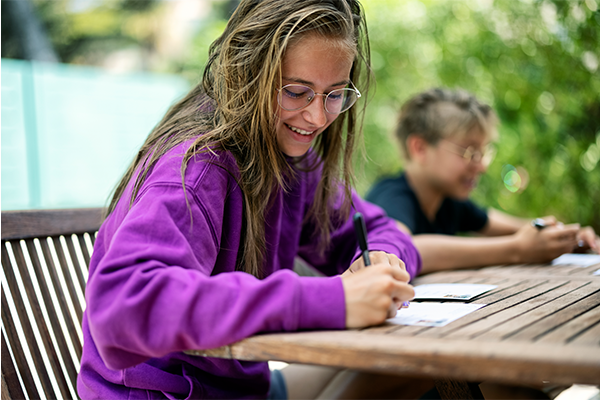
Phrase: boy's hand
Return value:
(543, 245)
(587, 240)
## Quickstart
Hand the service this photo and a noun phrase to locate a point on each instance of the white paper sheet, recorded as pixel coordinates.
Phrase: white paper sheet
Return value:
(432, 314)
(596, 272)
(577, 260)
(450, 291)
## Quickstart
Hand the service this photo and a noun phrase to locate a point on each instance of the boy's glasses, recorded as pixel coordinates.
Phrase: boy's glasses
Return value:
(295, 97)
(471, 154)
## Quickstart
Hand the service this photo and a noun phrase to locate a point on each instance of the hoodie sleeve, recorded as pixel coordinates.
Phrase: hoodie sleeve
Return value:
(153, 287)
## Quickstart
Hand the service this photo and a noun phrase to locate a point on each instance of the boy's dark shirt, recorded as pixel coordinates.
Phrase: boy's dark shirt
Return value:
(398, 199)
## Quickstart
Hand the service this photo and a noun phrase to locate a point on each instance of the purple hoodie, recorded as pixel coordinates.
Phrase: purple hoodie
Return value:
(162, 280)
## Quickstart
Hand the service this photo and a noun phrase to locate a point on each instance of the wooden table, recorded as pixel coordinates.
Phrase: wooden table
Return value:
(542, 323)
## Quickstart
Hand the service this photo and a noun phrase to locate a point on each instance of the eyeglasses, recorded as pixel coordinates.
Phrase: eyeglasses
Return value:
(295, 97)
(471, 154)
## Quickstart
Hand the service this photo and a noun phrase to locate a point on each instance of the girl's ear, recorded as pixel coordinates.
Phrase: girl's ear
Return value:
(417, 147)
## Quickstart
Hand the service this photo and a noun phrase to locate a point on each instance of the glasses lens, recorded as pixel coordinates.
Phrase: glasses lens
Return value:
(340, 100)
(488, 155)
(484, 156)
(470, 154)
(475, 155)
(294, 97)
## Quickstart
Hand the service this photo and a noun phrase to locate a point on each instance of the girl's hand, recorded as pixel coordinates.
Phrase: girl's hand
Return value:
(375, 293)
(377, 257)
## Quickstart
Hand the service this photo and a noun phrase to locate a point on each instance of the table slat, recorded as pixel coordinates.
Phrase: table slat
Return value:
(566, 312)
(575, 326)
(552, 302)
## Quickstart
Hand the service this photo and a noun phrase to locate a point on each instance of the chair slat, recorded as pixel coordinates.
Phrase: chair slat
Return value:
(53, 315)
(61, 298)
(93, 240)
(32, 345)
(9, 370)
(84, 247)
(49, 300)
(72, 241)
(62, 261)
(86, 257)
(40, 322)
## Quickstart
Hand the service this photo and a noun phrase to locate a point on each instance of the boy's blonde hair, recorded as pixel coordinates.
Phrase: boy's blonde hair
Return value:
(440, 113)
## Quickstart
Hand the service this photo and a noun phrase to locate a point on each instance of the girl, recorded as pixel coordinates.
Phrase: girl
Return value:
(249, 170)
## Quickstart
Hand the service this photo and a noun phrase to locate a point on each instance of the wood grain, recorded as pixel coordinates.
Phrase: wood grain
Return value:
(461, 359)
(43, 223)
(535, 327)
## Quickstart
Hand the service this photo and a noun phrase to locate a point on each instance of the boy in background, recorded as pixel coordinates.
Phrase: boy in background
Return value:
(444, 135)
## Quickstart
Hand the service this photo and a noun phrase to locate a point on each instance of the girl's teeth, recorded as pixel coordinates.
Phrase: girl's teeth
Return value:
(300, 131)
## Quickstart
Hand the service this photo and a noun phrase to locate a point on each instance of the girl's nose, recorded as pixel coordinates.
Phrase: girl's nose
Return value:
(315, 112)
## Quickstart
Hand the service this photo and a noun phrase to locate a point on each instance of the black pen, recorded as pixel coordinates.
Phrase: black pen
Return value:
(361, 234)
(539, 223)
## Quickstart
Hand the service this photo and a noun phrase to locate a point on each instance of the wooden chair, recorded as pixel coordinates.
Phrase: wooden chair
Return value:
(45, 258)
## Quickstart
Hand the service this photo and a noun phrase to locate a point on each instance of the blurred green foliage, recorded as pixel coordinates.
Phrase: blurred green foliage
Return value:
(536, 62)
(87, 35)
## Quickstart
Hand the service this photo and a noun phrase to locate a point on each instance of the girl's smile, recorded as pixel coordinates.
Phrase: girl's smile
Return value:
(299, 135)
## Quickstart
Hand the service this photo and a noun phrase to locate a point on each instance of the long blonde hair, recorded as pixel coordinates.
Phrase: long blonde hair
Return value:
(232, 109)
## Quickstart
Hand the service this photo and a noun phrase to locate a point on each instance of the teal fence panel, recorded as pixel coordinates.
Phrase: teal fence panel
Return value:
(15, 169)
(69, 132)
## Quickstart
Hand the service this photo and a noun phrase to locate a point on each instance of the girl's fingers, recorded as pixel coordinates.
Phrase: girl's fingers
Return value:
(398, 266)
(373, 294)
(405, 293)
